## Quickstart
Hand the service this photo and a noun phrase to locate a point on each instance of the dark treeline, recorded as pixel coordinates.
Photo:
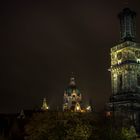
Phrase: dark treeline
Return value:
(54, 125)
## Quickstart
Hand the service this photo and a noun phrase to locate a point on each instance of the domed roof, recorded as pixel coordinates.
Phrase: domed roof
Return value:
(70, 90)
(72, 87)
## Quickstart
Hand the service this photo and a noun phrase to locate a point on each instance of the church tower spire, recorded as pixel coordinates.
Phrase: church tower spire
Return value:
(127, 25)
(125, 71)
(72, 81)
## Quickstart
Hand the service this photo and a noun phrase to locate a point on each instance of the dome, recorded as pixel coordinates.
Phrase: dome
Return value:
(71, 90)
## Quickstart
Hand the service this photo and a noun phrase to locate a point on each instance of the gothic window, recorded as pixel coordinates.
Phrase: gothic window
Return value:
(138, 80)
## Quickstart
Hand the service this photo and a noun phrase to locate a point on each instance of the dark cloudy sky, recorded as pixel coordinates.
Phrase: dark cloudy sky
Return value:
(42, 42)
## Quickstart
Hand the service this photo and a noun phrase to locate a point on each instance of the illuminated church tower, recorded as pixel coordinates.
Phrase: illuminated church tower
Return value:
(125, 70)
(72, 97)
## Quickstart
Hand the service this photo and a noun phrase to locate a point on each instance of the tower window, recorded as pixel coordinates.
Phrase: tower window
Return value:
(138, 80)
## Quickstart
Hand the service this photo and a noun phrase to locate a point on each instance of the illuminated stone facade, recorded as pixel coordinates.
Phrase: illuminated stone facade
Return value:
(125, 67)
(125, 71)
(72, 97)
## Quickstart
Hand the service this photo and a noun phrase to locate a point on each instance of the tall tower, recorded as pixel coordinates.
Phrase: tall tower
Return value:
(72, 97)
(125, 70)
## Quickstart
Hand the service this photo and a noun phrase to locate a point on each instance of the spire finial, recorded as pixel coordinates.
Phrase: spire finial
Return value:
(72, 74)
(72, 80)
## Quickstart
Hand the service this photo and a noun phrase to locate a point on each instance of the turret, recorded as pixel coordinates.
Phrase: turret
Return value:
(44, 105)
(127, 25)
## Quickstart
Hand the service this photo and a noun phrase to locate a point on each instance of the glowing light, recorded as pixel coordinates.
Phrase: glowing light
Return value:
(78, 108)
(44, 106)
(88, 108)
(138, 60)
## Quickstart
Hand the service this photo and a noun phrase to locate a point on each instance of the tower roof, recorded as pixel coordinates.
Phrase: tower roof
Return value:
(72, 87)
(72, 82)
(127, 25)
(127, 11)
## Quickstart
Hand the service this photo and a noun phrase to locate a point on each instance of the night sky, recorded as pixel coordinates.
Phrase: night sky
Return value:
(42, 42)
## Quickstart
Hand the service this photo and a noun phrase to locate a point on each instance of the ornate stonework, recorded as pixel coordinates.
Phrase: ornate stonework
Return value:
(125, 71)
(72, 97)
(125, 67)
